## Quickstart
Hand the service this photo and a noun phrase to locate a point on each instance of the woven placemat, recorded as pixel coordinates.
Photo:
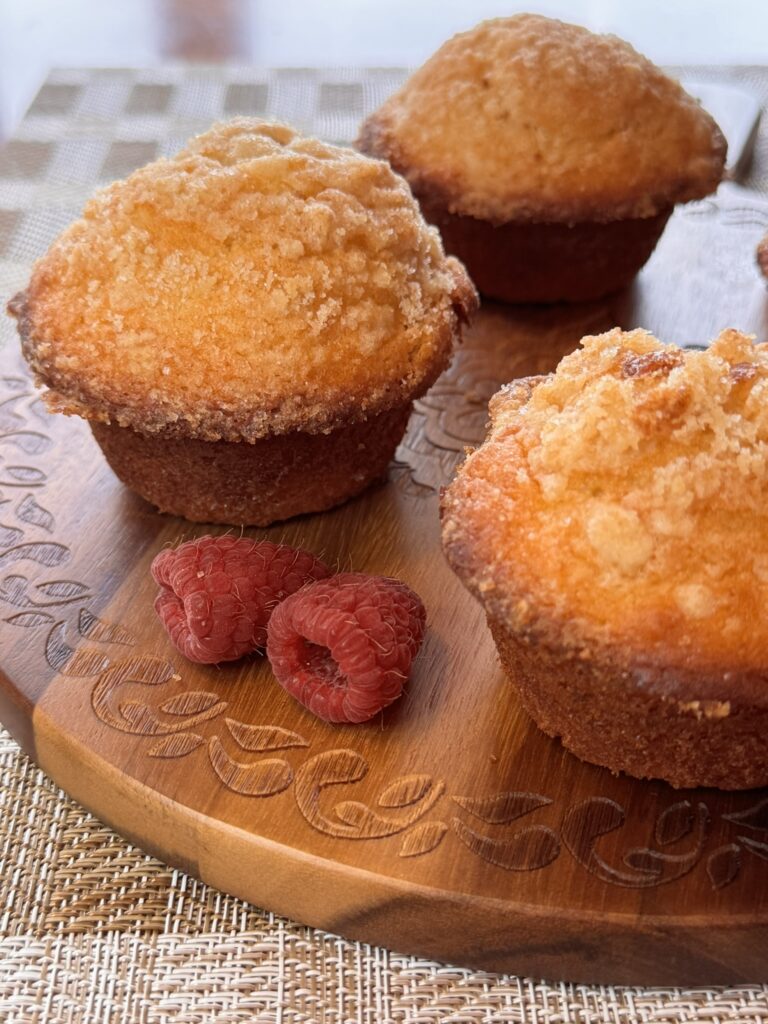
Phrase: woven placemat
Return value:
(91, 929)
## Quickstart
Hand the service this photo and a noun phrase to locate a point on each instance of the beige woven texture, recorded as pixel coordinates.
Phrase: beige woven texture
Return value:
(91, 930)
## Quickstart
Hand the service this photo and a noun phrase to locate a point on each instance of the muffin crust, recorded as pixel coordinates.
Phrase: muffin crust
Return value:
(255, 284)
(528, 118)
(522, 261)
(253, 483)
(615, 526)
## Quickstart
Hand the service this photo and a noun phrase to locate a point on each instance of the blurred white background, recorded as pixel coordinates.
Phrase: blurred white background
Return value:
(38, 34)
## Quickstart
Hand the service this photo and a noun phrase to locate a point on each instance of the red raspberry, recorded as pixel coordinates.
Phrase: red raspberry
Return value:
(343, 647)
(218, 592)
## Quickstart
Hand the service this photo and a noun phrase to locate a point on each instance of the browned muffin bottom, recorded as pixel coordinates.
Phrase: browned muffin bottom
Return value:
(536, 146)
(530, 262)
(649, 721)
(253, 483)
(260, 290)
(614, 525)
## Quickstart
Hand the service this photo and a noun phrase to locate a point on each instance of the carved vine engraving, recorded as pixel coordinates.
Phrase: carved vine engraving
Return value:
(143, 696)
(451, 417)
(417, 807)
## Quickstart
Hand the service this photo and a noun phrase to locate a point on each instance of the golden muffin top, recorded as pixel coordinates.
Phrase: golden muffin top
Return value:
(526, 118)
(621, 503)
(255, 283)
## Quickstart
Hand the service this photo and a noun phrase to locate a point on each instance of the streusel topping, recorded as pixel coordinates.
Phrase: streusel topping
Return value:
(256, 282)
(625, 497)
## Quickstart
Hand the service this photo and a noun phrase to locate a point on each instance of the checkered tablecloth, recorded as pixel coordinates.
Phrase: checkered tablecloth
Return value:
(91, 929)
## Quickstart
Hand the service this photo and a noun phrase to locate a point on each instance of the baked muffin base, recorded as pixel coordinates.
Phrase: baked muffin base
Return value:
(548, 262)
(253, 484)
(602, 717)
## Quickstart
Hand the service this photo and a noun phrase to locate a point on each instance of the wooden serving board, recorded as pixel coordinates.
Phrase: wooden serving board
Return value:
(448, 826)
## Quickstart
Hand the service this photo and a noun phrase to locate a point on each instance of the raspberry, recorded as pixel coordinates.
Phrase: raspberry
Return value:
(218, 592)
(343, 647)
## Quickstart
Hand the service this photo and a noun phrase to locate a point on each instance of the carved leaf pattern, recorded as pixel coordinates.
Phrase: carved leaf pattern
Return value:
(94, 628)
(57, 651)
(38, 409)
(351, 812)
(405, 791)
(9, 419)
(423, 838)
(340, 767)
(367, 824)
(645, 859)
(528, 849)
(63, 590)
(22, 475)
(674, 823)
(29, 511)
(87, 661)
(583, 825)
(723, 865)
(29, 620)
(29, 441)
(141, 719)
(754, 846)
(13, 589)
(586, 822)
(263, 737)
(189, 703)
(502, 807)
(9, 535)
(263, 778)
(400, 474)
(180, 745)
(46, 553)
(755, 817)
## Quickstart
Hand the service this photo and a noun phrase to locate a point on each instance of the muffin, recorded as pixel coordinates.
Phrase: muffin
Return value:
(245, 325)
(614, 525)
(549, 157)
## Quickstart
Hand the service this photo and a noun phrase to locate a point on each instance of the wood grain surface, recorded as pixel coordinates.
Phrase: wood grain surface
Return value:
(448, 826)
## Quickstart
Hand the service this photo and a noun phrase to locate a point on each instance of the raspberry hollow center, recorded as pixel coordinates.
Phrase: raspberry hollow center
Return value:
(318, 659)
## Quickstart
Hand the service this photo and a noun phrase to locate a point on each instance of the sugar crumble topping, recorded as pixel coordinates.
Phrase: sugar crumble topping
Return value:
(255, 270)
(628, 493)
(674, 432)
